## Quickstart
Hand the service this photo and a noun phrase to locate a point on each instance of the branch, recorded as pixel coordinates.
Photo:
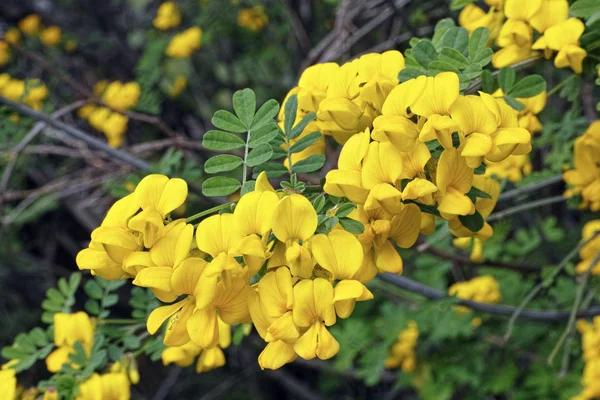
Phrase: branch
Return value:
(496, 309)
(77, 133)
(491, 264)
(529, 188)
(525, 207)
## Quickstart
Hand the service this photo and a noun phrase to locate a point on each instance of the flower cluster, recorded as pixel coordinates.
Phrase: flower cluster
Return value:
(482, 289)
(423, 150)
(512, 26)
(584, 179)
(590, 333)
(110, 385)
(588, 253)
(31, 92)
(118, 97)
(402, 354)
(185, 43)
(167, 16)
(253, 19)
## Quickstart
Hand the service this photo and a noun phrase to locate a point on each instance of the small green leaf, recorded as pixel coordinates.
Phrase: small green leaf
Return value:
(454, 58)
(344, 209)
(54, 295)
(487, 81)
(305, 141)
(514, 103)
(265, 114)
(264, 134)
(221, 141)
(319, 203)
(74, 281)
(39, 336)
(63, 286)
(23, 341)
(585, 8)
(52, 306)
(506, 78)
(259, 155)
(529, 86)
(473, 222)
(299, 127)
(409, 73)
(352, 225)
(478, 193)
(132, 342)
(456, 38)
(247, 187)
(272, 169)
(309, 164)
(228, 122)
(219, 186)
(92, 306)
(478, 42)
(290, 110)
(440, 66)
(473, 71)
(93, 290)
(222, 163)
(13, 353)
(456, 5)
(424, 53)
(483, 57)
(441, 27)
(110, 300)
(244, 104)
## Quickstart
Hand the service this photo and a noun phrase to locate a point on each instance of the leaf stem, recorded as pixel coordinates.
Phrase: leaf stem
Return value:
(120, 321)
(245, 169)
(560, 85)
(209, 211)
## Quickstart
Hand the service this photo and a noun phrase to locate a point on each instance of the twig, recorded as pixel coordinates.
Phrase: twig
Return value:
(573, 315)
(529, 188)
(168, 383)
(496, 309)
(491, 264)
(524, 207)
(217, 391)
(77, 133)
(37, 128)
(564, 368)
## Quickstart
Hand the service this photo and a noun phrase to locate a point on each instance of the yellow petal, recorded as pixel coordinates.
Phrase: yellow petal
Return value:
(313, 300)
(354, 152)
(58, 358)
(276, 355)
(294, 218)
(339, 252)
(176, 333)
(400, 131)
(155, 277)
(185, 277)
(550, 13)
(283, 328)
(382, 164)
(472, 115)
(173, 196)
(440, 93)
(384, 196)
(217, 234)
(564, 34)
(149, 191)
(347, 184)
(418, 187)
(253, 213)
(453, 172)
(455, 203)
(263, 184)
(387, 258)
(517, 9)
(203, 327)
(405, 226)
(403, 96)
(477, 144)
(159, 315)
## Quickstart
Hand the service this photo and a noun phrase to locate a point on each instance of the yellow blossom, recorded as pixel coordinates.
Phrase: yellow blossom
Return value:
(69, 329)
(184, 44)
(253, 18)
(167, 16)
(13, 36)
(564, 38)
(51, 35)
(402, 353)
(30, 25)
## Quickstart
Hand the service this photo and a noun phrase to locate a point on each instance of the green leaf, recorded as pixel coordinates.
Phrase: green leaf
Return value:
(478, 193)
(259, 155)
(92, 306)
(265, 114)
(74, 281)
(483, 57)
(244, 104)
(290, 110)
(272, 169)
(487, 81)
(478, 42)
(222, 163)
(220, 141)
(352, 225)
(410, 73)
(25, 363)
(219, 186)
(132, 342)
(110, 300)
(424, 53)
(54, 295)
(514, 103)
(506, 78)
(299, 128)
(344, 209)
(247, 187)
(309, 164)
(454, 58)
(319, 203)
(456, 38)
(473, 222)
(228, 122)
(440, 66)
(529, 86)
(473, 71)
(456, 5)
(39, 336)
(23, 341)
(441, 27)
(93, 290)
(305, 141)
(585, 8)
(13, 353)
(264, 134)
(51, 306)
(63, 286)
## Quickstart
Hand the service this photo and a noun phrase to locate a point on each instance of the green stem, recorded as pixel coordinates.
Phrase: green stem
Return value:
(289, 155)
(245, 170)
(573, 316)
(560, 85)
(120, 321)
(207, 212)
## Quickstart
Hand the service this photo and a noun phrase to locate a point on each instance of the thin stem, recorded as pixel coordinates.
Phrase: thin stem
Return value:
(120, 321)
(207, 212)
(573, 316)
(529, 188)
(245, 169)
(289, 155)
(545, 284)
(525, 207)
(567, 350)
(560, 85)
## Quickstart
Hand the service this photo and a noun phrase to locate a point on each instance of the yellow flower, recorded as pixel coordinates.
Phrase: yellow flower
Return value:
(402, 353)
(8, 383)
(513, 167)
(512, 54)
(167, 16)
(157, 196)
(51, 35)
(114, 127)
(178, 86)
(13, 36)
(454, 179)
(69, 329)
(119, 96)
(314, 310)
(472, 17)
(550, 13)
(185, 43)
(253, 18)
(30, 25)
(588, 252)
(4, 52)
(113, 385)
(564, 38)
